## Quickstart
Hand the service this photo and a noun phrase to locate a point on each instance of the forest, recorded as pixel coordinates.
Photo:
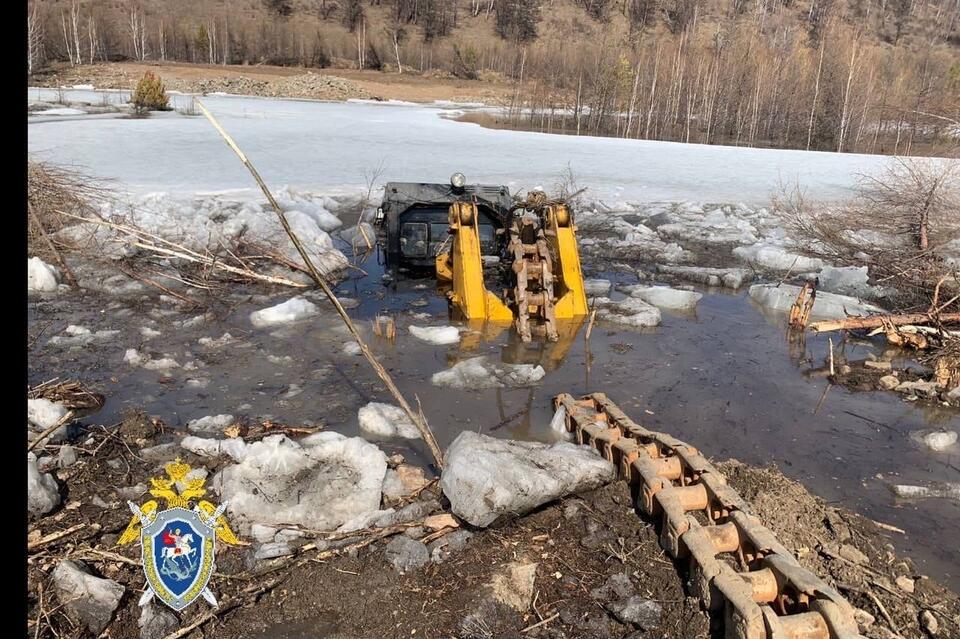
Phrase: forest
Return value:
(865, 76)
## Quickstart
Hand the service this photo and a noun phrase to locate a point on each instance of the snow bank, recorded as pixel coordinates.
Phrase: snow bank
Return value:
(319, 482)
(385, 421)
(41, 277)
(485, 478)
(827, 305)
(62, 111)
(436, 334)
(293, 310)
(666, 297)
(479, 372)
(631, 311)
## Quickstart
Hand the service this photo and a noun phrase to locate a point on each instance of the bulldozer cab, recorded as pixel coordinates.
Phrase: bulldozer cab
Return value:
(413, 220)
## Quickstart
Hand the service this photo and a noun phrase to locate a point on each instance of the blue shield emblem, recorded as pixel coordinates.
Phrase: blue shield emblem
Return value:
(178, 553)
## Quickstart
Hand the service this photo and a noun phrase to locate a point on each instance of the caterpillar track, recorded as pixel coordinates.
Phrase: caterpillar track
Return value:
(735, 565)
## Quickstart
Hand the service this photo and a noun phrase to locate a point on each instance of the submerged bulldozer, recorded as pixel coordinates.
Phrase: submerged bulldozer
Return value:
(472, 236)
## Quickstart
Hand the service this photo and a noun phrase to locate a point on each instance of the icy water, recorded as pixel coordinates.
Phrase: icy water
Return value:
(723, 378)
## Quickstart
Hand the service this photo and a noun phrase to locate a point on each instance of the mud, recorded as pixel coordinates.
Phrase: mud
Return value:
(577, 544)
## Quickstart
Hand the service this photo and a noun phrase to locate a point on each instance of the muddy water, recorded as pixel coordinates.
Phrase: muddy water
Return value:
(722, 378)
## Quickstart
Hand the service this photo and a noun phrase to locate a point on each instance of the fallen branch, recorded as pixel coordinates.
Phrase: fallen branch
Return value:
(54, 536)
(63, 420)
(878, 321)
(418, 421)
(160, 246)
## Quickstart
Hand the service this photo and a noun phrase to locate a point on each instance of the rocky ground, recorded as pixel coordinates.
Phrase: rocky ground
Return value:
(584, 566)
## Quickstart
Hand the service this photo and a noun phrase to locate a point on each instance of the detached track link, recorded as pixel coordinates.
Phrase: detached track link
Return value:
(735, 563)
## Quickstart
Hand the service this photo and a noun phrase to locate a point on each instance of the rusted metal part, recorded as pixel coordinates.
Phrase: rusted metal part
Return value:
(735, 565)
(533, 267)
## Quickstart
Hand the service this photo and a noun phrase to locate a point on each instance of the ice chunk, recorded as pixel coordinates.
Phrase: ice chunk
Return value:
(42, 413)
(164, 364)
(826, 306)
(938, 440)
(294, 309)
(716, 227)
(558, 423)
(849, 280)
(485, 478)
(133, 357)
(436, 334)
(77, 336)
(234, 447)
(728, 277)
(385, 421)
(949, 490)
(596, 287)
(43, 495)
(210, 424)
(666, 297)
(355, 236)
(351, 348)
(631, 311)
(776, 258)
(41, 277)
(320, 482)
(479, 372)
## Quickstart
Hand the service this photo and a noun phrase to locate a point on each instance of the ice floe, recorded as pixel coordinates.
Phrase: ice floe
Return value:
(436, 334)
(480, 372)
(293, 310)
(827, 305)
(319, 482)
(665, 297)
(384, 421)
(631, 311)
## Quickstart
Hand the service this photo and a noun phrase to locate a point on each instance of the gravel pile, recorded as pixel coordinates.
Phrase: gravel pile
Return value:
(307, 85)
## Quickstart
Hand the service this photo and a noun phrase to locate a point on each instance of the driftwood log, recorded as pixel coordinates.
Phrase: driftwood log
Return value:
(879, 321)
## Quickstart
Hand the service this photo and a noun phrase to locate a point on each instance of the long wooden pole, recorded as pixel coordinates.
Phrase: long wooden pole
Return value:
(417, 420)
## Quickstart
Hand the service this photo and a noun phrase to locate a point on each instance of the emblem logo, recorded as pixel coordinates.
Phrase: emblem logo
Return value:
(177, 544)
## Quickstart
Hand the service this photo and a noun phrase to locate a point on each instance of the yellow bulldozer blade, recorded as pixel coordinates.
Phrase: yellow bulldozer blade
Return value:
(463, 265)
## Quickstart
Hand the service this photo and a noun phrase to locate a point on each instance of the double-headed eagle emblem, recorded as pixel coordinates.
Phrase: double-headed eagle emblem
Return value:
(177, 543)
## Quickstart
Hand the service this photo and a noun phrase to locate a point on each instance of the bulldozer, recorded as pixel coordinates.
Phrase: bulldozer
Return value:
(469, 236)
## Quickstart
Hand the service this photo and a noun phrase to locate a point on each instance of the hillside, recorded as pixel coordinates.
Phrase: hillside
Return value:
(842, 75)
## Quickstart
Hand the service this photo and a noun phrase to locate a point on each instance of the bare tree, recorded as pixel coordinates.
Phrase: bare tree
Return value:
(897, 225)
(35, 36)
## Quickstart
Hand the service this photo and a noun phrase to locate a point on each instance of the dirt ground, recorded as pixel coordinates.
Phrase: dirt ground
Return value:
(409, 86)
(576, 546)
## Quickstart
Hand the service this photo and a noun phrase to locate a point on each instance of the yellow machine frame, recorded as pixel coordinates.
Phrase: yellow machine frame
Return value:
(462, 266)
